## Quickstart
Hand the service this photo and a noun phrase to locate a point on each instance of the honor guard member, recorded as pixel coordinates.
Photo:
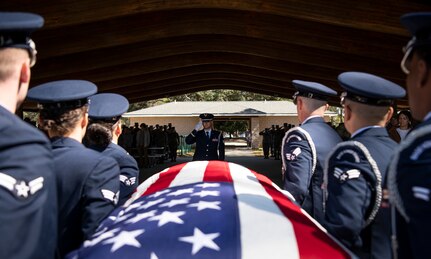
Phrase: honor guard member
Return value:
(410, 170)
(209, 142)
(305, 148)
(28, 198)
(102, 135)
(357, 209)
(87, 181)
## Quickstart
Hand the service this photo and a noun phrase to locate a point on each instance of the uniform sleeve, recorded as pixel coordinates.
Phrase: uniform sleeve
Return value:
(410, 184)
(348, 195)
(297, 166)
(129, 178)
(191, 138)
(221, 148)
(28, 196)
(100, 194)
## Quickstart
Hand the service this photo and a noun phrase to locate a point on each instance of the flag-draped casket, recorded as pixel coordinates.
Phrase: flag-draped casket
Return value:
(209, 209)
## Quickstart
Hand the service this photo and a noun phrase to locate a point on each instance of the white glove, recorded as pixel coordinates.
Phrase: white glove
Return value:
(198, 125)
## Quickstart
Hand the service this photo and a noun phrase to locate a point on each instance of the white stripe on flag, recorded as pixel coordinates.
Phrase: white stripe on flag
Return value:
(190, 173)
(142, 188)
(259, 214)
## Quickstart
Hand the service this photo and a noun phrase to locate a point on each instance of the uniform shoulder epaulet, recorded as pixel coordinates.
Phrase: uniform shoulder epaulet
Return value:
(355, 152)
(412, 148)
(299, 134)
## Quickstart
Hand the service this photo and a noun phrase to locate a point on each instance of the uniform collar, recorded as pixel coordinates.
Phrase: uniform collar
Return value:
(312, 117)
(361, 130)
(65, 141)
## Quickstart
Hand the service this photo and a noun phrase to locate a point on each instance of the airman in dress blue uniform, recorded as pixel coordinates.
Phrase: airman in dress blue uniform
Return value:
(28, 193)
(305, 148)
(357, 210)
(209, 142)
(410, 170)
(87, 181)
(102, 135)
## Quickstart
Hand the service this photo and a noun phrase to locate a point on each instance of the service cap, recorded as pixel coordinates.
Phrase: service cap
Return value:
(206, 117)
(369, 89)
(107, 107)
(62, 94)
(312, 90)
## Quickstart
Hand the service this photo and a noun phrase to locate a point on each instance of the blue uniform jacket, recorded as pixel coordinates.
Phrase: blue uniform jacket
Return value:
(207, 148)
(304, 151)
(410, 187)
(88, 189)
(355, 180)
(129, 171)
(28, 196)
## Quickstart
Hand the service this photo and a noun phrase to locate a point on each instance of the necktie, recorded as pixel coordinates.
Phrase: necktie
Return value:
(208, 135)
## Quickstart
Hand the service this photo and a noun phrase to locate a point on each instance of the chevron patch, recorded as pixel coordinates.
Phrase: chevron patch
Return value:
(20, 188)
(110, 195)
(421, 193)
(295, 153)
(127, 181)
(343, 176)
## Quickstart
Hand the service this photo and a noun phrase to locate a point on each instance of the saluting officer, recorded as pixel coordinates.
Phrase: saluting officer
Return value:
(209, 142)
(305, 148)
(28, 196)
(102, 135)
(87, 181)
(410, 170)
(357, 210)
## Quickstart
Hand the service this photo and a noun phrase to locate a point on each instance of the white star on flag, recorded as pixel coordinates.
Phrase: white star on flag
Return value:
(153, 256)
(125, 238)
(101, 237)
(152, 203)
(172, 203)
(206, 185)
(181, 191)
(201, 205)
(141, 216)
(167, 217)
(133, 206)
(157, 194)
(200, 240)
(206, 193)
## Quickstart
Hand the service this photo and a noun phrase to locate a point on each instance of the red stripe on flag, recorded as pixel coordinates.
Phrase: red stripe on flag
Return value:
(217, 171)
(309, 238)
(165, 179)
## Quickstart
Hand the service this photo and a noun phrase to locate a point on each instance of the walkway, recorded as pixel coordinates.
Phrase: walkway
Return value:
(242, 156)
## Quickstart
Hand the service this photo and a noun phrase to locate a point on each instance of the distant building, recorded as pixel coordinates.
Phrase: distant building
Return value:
(184, 115)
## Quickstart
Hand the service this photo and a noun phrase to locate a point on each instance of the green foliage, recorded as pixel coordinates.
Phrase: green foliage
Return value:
(231, 127)
(210, 95)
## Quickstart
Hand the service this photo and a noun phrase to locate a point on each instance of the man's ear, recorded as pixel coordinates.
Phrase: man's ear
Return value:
(347, 112)
(423, 72)
(389, 114)
(84, 121)
(25, 73)
(118, 129)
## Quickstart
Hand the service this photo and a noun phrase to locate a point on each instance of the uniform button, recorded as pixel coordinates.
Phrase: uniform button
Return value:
(207, 149)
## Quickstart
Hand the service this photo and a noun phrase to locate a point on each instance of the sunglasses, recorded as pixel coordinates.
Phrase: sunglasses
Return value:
(343, 99)
(405, 62)
(294, 97)
(32, 52)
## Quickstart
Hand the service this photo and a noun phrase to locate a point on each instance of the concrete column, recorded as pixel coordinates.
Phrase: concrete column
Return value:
(255, 129)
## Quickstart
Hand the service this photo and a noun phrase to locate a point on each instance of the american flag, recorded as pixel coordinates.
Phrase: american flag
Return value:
(209, 209)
